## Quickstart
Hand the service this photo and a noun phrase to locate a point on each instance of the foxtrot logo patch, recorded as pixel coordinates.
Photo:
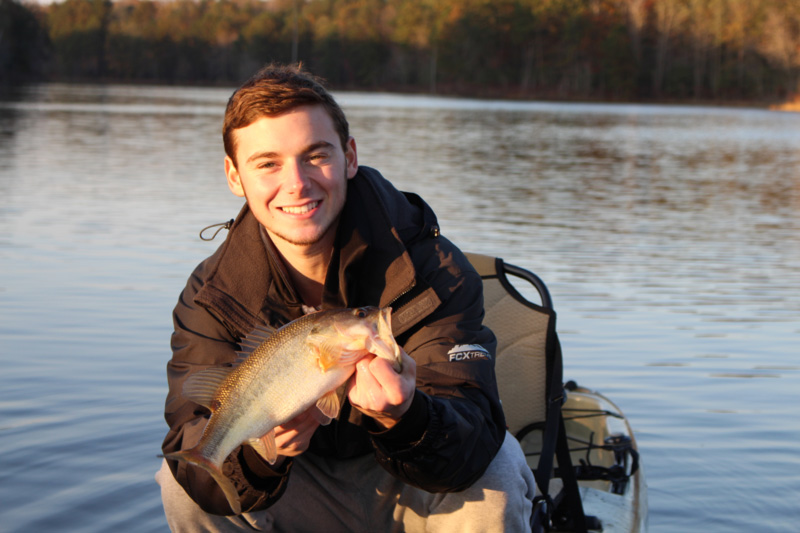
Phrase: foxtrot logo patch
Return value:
(468, 352)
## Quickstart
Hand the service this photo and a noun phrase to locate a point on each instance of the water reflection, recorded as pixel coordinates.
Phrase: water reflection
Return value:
(668, 236)
(650, 196)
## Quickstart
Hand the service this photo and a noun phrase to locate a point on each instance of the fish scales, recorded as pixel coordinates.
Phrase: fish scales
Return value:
(300, 364)
(265, 381)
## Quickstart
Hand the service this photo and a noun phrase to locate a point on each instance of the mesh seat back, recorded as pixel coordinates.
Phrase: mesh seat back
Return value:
(529, 377)
(521, 330)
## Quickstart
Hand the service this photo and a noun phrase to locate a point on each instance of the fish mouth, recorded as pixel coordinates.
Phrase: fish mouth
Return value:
(391, 350)
(300, 209)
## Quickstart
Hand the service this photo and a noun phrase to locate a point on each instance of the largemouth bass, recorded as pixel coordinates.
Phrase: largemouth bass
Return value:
(282, 373)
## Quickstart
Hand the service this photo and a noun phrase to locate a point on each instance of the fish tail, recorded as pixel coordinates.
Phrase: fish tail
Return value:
(197, 459)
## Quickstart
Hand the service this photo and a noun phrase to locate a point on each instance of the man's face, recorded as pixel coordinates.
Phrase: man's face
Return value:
(293, 171)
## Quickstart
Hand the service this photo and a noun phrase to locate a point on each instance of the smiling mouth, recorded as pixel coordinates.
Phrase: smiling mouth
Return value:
(300, 209)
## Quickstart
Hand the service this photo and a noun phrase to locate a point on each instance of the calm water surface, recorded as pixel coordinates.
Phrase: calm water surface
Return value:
(669, 236)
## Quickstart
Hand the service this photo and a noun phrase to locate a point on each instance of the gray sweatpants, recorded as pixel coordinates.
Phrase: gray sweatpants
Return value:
(358, 495)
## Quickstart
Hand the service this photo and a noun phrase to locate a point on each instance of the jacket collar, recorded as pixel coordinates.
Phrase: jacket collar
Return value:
(370, 264)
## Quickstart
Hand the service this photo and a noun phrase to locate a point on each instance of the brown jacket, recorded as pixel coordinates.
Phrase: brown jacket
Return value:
(388, 252)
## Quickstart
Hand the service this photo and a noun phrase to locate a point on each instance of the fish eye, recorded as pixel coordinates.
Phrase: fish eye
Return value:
(360, 313)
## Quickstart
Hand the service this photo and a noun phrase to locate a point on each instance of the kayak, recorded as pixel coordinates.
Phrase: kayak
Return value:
(605, 456)
(578, 444)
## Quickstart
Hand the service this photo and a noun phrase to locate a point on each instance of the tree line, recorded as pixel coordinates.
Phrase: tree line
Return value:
(566, 49)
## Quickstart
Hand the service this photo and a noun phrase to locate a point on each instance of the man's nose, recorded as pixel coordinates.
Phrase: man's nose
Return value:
(295, 179)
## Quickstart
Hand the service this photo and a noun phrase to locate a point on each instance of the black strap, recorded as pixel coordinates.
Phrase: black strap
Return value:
(569, 514)
(544, 469)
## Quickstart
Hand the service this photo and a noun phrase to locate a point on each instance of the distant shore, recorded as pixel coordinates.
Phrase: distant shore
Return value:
(477, 93)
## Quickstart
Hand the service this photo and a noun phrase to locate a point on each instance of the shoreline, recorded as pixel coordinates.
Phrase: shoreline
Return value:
(476, 93)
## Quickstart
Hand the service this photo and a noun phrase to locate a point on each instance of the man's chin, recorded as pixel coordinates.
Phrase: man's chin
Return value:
(299, 238)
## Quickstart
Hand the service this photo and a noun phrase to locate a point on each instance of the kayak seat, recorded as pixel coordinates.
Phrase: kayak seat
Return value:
(530, 380)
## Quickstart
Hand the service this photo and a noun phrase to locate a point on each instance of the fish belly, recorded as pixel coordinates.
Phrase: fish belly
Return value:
(274, 400)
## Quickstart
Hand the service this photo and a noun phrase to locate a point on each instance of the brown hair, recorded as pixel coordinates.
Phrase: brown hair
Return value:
(273, 90)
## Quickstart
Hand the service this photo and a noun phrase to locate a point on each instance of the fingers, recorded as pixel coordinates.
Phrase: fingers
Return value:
(380, 392)
(392, 385)
(365, 381)
(396, 386)
(370, 391)
(293, 437)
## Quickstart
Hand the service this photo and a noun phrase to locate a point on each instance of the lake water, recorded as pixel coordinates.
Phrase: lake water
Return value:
(669, 238)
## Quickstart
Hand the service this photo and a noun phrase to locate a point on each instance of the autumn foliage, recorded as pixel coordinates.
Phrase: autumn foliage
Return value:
(589, 49)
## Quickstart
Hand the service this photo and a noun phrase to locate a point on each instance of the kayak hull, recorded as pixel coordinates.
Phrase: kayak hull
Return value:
(604, 451)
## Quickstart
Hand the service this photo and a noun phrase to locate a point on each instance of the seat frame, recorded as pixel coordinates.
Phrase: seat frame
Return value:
(564, 510)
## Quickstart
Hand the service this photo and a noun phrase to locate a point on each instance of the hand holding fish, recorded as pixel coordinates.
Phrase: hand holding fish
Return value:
(380, 392)
(293, 437)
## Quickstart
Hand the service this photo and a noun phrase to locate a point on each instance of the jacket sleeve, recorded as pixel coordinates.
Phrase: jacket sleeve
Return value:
(455, 425)
(200, 341)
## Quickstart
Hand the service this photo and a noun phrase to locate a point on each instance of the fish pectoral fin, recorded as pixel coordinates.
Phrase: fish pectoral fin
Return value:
(331, 353)
(320, 417)
(351, 357)
(327, 352)
(202, 386)
(329, 406)
(355, 345)
(266, 447)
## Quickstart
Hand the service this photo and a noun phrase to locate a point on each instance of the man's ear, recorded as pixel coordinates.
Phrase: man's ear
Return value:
(351, 157)
(234, 180)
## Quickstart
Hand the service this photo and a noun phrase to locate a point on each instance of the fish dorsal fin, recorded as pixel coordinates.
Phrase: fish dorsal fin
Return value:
(266, 447)
(202, 386)
(254, 339)
(329, 406)
(240, 358)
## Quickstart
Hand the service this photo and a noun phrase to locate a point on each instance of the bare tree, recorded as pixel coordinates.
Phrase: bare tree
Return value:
(669, 14)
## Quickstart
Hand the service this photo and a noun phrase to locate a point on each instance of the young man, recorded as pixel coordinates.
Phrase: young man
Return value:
(421, 450)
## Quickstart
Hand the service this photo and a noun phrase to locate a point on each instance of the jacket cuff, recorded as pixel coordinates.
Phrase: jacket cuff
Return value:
(410, 429)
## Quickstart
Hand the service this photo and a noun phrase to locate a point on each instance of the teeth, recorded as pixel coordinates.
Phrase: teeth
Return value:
(299, 210)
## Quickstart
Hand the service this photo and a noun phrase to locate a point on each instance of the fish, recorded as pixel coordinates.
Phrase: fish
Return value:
(280, 374)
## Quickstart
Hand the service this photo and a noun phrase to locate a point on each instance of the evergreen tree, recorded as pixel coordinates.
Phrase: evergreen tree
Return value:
(24, 47)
